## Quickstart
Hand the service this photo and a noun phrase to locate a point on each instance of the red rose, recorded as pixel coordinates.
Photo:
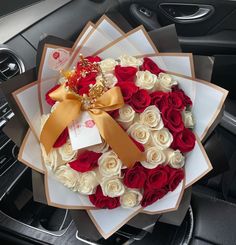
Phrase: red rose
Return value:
(114, 114)
(135, 177)
(159, 99)
(140, 100)
(83, 90)
(93, 59)
(85, 161)
(62, 139)
(127, 90)
(186, 100)
(150, 65)
(101, 201)
(175, 177)
(84, 82)
(184, 140)
(176, 100)
(89, 79)
(48, 99)
(157, 178)
(81, 84)
(125, 73)
(172, 119)
(150, 196)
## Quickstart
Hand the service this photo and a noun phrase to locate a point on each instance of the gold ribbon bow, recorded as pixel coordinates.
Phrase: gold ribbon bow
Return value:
(70, 108)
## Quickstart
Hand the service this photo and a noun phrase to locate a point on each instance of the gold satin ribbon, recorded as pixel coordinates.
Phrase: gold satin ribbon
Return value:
(69, 109)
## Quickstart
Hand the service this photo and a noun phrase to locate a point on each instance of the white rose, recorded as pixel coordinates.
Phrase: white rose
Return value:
(146, 80)
(44, 118)
(87, 183)
(152, 118)
(126, 116)
(162, 138)
(110, 80)
(52, 159)
(165, 82)
(126, 60)
(130, 199)
(99, 148)
(139, 132)
(154, 157)
(68, 176)
(108, 65)
(175, 158)
(188, 119)
(112, 187)
(109, 164)
(66, 151)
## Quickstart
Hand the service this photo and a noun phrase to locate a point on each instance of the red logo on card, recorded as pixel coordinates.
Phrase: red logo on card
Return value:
(58, 59)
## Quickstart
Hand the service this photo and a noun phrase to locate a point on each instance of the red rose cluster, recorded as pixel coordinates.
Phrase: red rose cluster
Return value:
(154, 182)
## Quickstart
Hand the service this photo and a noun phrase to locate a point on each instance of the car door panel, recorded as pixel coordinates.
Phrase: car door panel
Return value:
(204, 26)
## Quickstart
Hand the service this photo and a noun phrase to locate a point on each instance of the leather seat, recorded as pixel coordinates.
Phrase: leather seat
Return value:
(220, 148)
(215, 219)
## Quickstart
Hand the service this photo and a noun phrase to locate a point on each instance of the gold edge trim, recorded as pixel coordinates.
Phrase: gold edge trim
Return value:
(192, 65)
(46, 46)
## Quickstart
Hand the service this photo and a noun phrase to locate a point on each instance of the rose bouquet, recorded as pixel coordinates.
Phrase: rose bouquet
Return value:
(155, 114)
(115, 127)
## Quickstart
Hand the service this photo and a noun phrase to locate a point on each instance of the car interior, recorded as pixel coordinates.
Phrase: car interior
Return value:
(206, 28)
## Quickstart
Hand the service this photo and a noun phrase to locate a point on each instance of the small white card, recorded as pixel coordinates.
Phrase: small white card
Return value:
(83, 132)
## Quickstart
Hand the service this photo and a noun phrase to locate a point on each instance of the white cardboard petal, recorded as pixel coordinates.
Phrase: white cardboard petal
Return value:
(98, 38)
(198, 161)
(45, 86)
(109, 30)
(87, 31)
(28, 100)
(109, 221)
(30, 152)
(177, 64)
(207, 102)
(47, 72)
(133, 44)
